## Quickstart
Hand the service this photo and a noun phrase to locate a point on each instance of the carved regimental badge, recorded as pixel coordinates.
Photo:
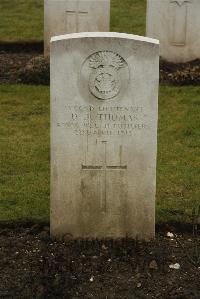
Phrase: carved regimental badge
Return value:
(104, 80)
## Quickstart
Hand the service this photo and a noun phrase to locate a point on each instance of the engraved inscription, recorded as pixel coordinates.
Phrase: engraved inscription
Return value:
(104, 120)
(105, 168)
(178, 26)
(104, 79)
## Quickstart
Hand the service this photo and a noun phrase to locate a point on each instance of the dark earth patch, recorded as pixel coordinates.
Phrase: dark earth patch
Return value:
(11, 64)
(180, 73)
(24, 63)
(24, 47)
(35, 266)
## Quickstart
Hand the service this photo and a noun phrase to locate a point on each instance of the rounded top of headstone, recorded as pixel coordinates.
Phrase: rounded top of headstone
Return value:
(104, 35)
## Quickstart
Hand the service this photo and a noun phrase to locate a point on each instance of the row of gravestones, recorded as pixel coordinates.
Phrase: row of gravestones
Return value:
(175, 23)
(104, 109)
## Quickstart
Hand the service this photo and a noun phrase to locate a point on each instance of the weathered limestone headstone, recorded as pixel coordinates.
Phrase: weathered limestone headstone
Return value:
(176, 23)
(68, 16)
(104, 89)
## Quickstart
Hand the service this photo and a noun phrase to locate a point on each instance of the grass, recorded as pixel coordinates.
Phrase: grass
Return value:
(22, 20)
(24, 157)
(128, 16)
(178, 174)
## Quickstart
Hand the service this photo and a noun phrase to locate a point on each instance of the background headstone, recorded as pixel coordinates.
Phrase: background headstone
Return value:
(68, 16)
(176, 23)
(104, 89)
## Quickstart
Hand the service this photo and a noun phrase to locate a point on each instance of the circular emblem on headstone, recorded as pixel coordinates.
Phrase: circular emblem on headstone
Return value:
(105, 80)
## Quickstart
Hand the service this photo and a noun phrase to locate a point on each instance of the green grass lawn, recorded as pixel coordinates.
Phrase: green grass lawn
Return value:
(128, 16)
(178, 173)
(24, 156)
(22, 20)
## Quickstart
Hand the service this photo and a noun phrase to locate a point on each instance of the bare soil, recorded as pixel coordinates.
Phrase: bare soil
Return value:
(33, 265)
(24, 63)
(11, 64)
(14, 57)
(22, 47)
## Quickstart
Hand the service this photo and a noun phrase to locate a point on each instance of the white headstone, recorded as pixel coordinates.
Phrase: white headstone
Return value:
(104, 89)
(68, 16)
(176, 23)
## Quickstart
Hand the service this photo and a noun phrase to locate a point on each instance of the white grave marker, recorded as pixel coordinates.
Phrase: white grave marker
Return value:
(68, 16)
(176, 24)
(104, 89)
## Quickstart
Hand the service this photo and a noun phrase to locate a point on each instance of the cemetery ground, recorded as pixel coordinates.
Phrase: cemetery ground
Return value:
(33, 265)
(25, 153)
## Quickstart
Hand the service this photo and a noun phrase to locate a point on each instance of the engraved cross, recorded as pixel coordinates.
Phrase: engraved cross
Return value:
(179, 22)
(76, 14)
(105, 168)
